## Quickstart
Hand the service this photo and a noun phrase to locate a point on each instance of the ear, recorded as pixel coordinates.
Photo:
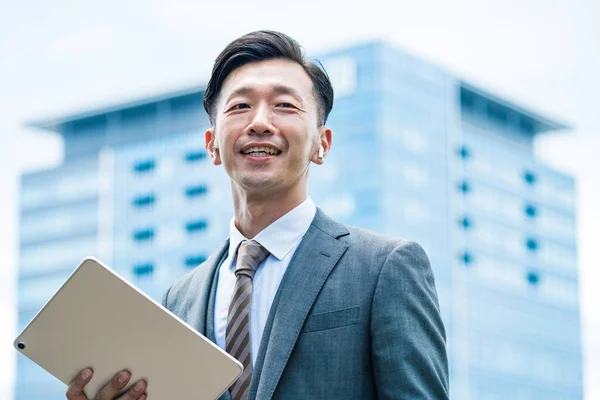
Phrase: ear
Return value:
(325, 138)
(211, 141)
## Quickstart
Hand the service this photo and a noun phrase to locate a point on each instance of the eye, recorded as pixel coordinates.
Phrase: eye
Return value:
(240, 106)
(286, 105)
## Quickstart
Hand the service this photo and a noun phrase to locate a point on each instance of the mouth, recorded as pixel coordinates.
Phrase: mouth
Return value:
(260, 152)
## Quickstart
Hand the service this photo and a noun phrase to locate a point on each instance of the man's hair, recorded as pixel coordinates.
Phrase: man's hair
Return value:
(262, 46)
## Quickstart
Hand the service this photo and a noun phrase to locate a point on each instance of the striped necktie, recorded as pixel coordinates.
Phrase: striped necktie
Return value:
(249, 256)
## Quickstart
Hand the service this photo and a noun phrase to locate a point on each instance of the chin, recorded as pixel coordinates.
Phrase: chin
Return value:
(258, 182)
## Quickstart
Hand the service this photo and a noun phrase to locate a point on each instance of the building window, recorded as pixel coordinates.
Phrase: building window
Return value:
(529, 177)
(527, 125)
(195, 260)
(196, 191)
(466, 258)
(143, 270)
(195, 156)
(464, 187)
(139, 116)
(196, 226)
(144, 201)
(530, 211)
(143, 235)
(145, 166)
(532, 244)
(466, 222)
(464, 152)
(497, 113)
(533, 278)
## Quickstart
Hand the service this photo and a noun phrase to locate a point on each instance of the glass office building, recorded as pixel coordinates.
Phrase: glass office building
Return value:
(417, 153)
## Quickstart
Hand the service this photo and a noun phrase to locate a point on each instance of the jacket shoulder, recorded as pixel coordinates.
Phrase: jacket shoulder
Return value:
(363, 243)
(181, 288)
(375, 241)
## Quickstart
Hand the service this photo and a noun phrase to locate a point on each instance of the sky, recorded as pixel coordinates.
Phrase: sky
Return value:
(64, 56)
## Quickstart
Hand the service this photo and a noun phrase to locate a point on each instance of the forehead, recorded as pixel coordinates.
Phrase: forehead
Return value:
(265, 75)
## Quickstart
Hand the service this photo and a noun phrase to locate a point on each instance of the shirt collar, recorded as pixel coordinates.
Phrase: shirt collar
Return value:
(281, 236)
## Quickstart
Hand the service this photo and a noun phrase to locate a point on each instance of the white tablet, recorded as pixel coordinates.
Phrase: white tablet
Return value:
(98, 320)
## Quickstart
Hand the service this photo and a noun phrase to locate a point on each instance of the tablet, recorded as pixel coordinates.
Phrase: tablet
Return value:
(98, 320)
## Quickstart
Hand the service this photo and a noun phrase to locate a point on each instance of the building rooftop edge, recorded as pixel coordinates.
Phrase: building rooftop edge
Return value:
(53, 124)
(545, 123)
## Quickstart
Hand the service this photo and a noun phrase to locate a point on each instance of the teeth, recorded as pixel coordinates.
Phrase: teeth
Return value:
(262, 149)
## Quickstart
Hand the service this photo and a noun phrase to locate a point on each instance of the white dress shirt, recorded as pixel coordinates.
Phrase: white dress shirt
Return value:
(281, 239)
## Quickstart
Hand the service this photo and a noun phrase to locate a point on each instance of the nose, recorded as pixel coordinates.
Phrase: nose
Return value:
(261, 121)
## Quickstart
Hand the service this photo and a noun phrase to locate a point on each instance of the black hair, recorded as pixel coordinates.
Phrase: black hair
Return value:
(261, 46)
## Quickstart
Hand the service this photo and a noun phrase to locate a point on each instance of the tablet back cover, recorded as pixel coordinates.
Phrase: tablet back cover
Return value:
(98, 320)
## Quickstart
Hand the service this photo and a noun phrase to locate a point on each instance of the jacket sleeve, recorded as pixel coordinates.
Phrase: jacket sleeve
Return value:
(408, 343)
(165, 297)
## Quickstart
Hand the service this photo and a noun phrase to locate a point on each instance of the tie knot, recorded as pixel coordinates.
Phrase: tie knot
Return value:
(250, 255)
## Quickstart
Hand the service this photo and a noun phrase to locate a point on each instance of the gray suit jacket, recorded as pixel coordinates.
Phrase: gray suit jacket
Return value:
(355, 317)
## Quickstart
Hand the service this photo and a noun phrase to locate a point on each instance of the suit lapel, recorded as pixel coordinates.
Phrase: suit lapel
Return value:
(210, 320)
(206, 294)
(209, 291)
(317, 254)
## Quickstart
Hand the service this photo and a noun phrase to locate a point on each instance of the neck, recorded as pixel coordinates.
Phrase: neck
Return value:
(255, 211)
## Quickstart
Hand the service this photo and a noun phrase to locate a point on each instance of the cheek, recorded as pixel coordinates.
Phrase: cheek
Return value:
(301, 153)
(289, 122)
(300, 138)
(227, 136)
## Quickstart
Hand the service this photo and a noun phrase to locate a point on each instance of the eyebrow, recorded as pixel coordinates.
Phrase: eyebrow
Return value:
(278, 89)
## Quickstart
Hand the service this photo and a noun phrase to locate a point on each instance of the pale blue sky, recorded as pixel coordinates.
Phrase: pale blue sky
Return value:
(63, 56)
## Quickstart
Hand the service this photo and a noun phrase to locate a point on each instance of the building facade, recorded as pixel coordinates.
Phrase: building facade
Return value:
(417, 153)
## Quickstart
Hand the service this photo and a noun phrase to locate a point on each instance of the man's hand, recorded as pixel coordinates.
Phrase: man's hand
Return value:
(108, 392)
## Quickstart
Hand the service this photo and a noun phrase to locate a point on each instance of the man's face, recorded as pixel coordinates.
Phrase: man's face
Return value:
(270, 106)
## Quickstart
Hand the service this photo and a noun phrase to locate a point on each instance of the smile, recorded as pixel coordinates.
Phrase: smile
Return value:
(261, 151)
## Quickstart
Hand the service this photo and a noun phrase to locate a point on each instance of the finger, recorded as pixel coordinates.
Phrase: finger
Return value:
(136, 392)
(116, 384)
(75, 389)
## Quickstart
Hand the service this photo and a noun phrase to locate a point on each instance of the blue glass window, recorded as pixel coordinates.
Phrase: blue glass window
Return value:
(533, 278)
(529, 177)
(532, 244)
(144, 166)
(144, 200)
(194, 156)
(527, 124)
(464, 152)
(196, 191)
(467, 258)
(464, 187)
(142, 235)
(497, 112)
(195, 260)
(466, 222)
(530, 211)
(196, 226)
(143, 270)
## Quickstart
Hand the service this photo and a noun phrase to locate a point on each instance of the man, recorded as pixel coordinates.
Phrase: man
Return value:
(311, 308)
